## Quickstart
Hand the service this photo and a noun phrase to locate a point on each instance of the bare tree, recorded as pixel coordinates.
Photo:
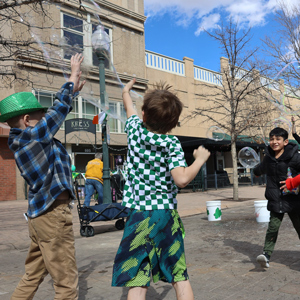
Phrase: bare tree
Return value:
(236, 104)
(283, 48)
(20, 20)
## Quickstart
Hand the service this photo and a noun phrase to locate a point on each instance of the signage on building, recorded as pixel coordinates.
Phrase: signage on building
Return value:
(79, 124)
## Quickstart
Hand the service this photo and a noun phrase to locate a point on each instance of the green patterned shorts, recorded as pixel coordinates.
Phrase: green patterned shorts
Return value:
(152, 242)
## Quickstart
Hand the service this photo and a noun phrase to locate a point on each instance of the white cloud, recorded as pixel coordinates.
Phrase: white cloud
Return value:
(252, 12)
(208, 13)
(208, 22)
(190, 8)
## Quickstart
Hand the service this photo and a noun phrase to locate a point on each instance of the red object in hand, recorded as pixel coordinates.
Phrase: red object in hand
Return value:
(292, 183)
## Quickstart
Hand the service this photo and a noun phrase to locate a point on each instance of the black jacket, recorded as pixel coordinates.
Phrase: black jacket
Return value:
(276, 170)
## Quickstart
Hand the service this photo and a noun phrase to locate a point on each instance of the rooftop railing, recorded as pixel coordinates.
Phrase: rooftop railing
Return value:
(171, 65)
(164, 63)
(208, 76)
(175, 66)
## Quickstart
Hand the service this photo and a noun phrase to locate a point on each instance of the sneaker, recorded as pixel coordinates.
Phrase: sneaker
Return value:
(264, 260)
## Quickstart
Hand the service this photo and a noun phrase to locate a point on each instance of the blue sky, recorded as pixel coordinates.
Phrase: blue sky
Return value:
(175, 28)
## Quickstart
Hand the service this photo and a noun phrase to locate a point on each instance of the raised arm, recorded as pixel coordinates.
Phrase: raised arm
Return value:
(56, 114)
(293, 125)
(183, 176)
(128, 104)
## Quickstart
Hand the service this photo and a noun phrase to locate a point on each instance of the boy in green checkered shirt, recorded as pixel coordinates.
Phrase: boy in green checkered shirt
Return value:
(153, 236)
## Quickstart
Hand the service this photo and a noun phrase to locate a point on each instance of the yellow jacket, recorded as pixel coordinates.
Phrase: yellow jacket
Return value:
(94, 170)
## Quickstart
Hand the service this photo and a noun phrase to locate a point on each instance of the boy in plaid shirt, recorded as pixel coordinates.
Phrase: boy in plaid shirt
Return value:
(46, 166)
(153, 236)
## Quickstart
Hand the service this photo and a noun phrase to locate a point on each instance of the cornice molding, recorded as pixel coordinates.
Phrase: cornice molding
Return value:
(111, 6)
(32, 60)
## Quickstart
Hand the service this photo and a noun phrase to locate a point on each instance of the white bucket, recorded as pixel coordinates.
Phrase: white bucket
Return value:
(261, 212)
(213, 209)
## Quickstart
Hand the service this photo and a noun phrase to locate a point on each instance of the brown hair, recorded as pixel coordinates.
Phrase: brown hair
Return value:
(162, 109)
(15, 121)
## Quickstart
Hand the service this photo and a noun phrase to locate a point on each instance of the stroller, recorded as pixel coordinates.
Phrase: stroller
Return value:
(101, 212)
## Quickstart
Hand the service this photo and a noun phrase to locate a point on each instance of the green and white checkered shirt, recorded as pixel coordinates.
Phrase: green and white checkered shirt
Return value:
(150, 159)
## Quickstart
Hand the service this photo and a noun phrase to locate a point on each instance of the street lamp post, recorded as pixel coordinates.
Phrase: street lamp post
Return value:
(100, 41)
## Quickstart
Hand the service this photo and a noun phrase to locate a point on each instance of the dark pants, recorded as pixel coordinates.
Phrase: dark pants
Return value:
(273, 228)
(90, 186)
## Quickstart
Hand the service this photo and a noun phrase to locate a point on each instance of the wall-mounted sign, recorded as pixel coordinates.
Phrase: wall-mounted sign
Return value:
(80, 124)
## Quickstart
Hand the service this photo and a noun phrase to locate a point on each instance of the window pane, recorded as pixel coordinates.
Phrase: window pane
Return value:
(75, 106)
(74, 40)
(73, 23)
(45, 99)
(90, 109)
(111, 121)
(112, 124)
(123, 112)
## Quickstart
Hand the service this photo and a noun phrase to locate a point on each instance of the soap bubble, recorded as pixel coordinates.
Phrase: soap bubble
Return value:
(215, 133)
(248, 158)
(281, 122)
(286, 97)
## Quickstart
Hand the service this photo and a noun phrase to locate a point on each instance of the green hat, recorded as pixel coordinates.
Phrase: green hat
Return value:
(18, 104)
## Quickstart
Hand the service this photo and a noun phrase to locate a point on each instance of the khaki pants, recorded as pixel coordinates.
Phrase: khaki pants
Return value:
(52, 251)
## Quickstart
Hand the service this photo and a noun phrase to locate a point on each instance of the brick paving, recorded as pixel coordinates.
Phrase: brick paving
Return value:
(220, 255)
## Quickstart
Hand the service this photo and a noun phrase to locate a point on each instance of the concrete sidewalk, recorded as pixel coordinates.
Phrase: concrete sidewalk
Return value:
(195, 203)
(15, 232)
(14, 227)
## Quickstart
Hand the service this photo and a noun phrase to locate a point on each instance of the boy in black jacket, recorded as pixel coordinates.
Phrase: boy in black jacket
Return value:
(280, 155)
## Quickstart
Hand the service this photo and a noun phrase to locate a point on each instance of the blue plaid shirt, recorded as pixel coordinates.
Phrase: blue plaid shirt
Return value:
(42, 159)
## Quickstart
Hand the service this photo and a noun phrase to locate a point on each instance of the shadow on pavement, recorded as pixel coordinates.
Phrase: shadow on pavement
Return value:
(288, 258)
(84, 273)
(152, 293)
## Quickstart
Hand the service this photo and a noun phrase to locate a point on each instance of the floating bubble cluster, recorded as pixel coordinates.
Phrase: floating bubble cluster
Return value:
(248, 158)
(59, 48)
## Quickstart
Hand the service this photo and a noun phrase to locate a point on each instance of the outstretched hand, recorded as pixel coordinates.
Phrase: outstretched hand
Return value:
(127, 101)
(129, 85)
(283, 186)
(76, 61)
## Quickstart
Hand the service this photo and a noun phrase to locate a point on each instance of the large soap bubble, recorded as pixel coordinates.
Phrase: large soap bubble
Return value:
(286, 95)
(215, 133)
(248, 158)
(78, 35)
(281, 122)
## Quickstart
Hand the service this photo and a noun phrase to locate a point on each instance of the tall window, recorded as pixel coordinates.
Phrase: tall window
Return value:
(78, 33)
(89, 111)
(73, 33)
(116, 125)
